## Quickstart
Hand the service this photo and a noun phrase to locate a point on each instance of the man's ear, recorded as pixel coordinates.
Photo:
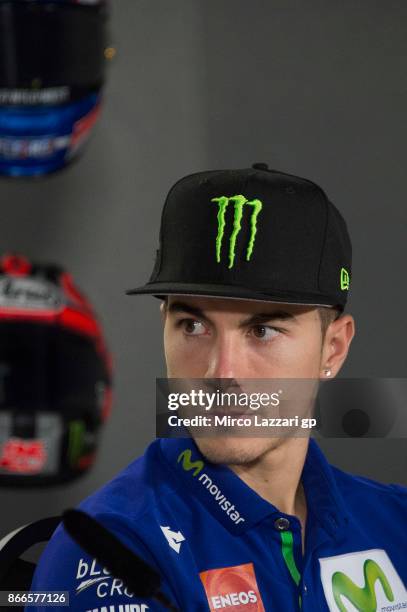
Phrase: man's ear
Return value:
(163, 311)
(336, 345)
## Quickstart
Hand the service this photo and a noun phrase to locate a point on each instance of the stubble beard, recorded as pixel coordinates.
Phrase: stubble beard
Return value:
(236, 451)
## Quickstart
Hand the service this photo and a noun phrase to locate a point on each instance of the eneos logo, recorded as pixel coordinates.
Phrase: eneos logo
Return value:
(234, 588)
(365, 580)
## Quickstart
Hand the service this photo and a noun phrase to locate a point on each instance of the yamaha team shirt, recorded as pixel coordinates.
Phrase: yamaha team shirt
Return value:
(218, 545)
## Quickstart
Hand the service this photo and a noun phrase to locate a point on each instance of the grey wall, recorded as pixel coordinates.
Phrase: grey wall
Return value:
(315, 88)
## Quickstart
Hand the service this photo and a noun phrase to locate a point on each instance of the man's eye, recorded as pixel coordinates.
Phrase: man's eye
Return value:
(192, 327)
(264, 332)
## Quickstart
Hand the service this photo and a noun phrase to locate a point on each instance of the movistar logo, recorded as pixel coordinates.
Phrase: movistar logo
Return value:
(239, 201)
(187, 464)
(207, 482)
(363, 598)
(345, 280)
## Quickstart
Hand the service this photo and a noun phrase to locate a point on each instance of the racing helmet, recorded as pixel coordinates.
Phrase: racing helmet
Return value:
(55, 375)
(52, 69)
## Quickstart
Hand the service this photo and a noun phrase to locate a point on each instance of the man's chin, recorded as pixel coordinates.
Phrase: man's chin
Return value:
(238, 450)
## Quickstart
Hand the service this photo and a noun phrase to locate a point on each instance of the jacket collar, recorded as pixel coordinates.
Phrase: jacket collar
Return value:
(236, 505)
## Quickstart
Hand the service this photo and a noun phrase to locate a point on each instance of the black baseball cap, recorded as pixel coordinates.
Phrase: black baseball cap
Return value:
(253, 233)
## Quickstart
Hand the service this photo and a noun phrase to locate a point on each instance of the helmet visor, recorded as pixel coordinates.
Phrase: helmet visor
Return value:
(50, 52)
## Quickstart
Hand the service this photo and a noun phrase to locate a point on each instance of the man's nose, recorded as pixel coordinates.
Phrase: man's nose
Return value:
(224, 359)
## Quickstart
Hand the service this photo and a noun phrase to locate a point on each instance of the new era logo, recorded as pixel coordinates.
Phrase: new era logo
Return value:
(345, 280)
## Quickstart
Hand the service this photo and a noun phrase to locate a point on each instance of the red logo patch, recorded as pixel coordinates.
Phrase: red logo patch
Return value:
(23, 457)
(232, 588)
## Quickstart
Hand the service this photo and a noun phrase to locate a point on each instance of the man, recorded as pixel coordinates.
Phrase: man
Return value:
(254, 270)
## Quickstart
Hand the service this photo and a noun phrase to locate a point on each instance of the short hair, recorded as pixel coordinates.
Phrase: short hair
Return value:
(327, 315)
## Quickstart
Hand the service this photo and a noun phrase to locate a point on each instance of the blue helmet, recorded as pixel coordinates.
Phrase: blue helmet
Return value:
(52, 69)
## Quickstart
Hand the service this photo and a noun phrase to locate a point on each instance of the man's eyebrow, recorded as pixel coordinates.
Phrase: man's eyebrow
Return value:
(183, 307)
(265, 317)
(255, 319)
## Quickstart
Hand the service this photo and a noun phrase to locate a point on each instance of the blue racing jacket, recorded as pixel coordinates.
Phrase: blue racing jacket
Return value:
(218, 545)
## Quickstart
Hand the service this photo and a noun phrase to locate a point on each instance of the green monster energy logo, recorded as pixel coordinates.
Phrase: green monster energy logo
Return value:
(187, 464)
(76, 441)
(239, 201)
(345, 281)
(363, 598)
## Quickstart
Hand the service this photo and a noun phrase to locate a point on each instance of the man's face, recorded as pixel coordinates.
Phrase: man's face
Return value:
(241, 339)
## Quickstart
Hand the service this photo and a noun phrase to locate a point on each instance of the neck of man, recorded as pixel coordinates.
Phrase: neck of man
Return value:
(276, 476)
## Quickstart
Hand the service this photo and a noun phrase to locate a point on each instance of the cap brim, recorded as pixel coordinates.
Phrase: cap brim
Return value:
(161, 289)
